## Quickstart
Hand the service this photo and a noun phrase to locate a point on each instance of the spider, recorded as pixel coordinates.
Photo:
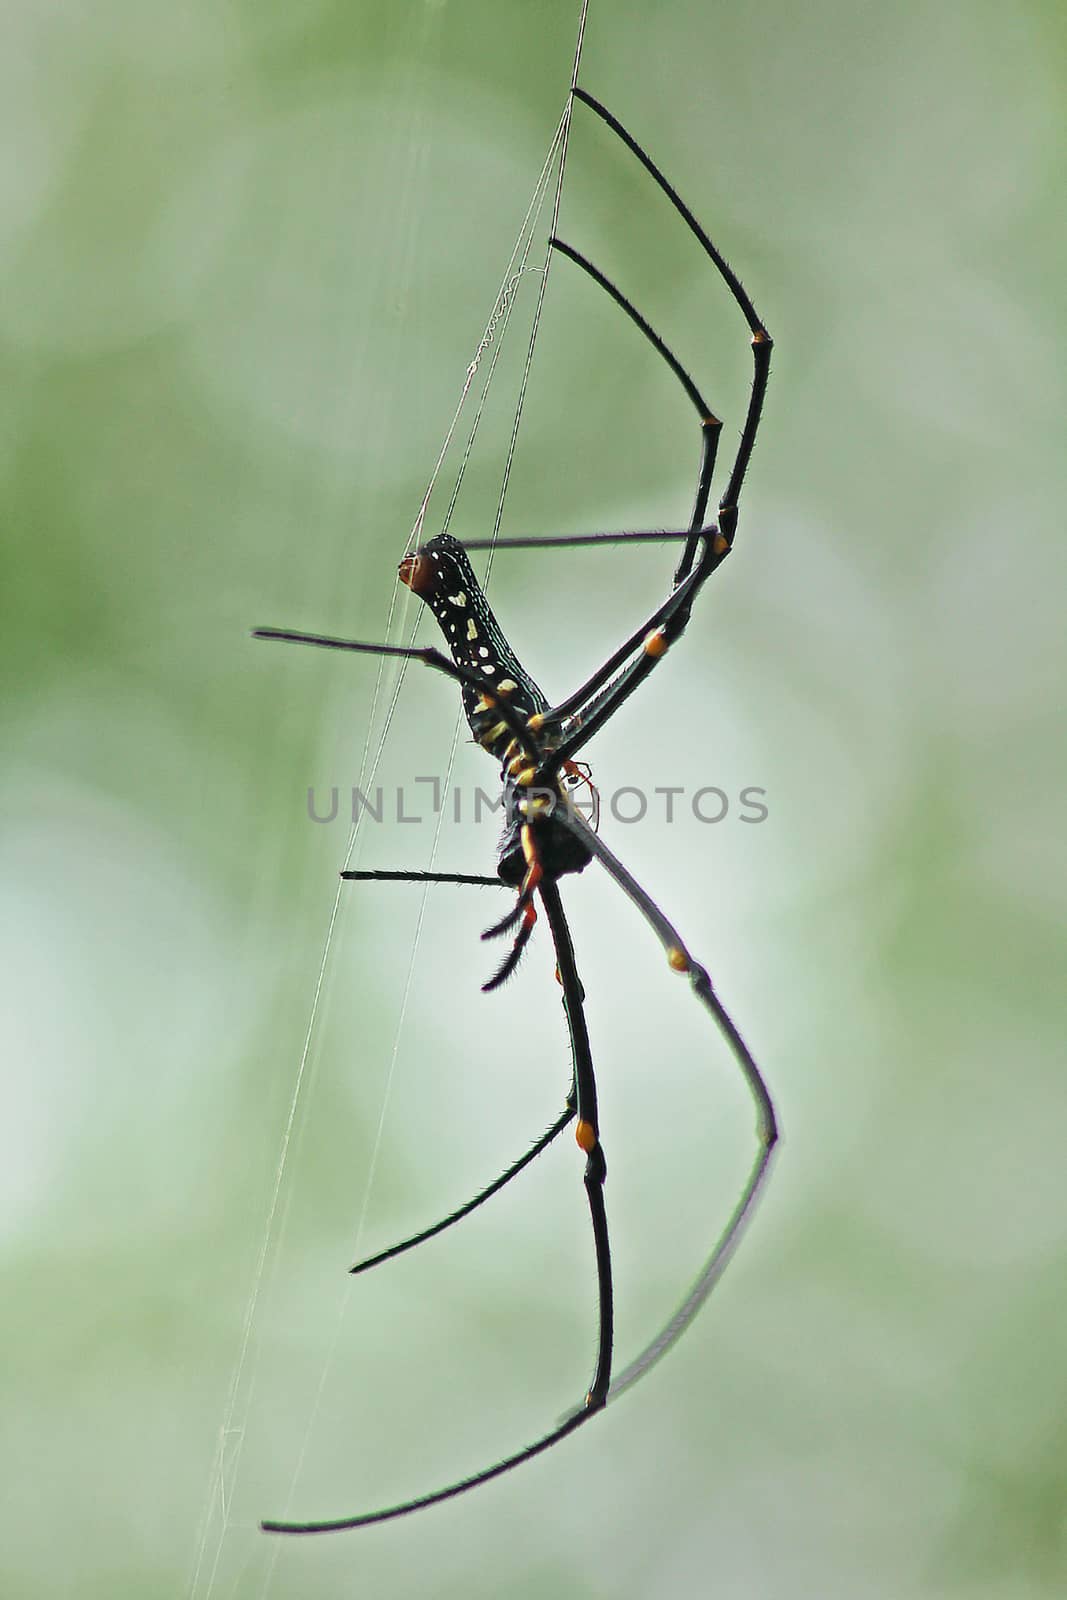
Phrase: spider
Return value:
(545, 838)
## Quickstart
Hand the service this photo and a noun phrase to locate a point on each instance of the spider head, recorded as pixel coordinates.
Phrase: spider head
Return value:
(435, 568)
(417, 572)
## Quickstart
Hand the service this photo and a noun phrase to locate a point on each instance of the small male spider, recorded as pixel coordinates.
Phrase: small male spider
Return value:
(545, 838)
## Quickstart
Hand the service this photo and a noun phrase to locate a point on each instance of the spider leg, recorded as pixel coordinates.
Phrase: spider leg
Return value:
(528, 1156)
(671, 620)
(595, 1171)
(762, 344)
(566, 1116)
(426, 654)
(668, 620)
(680, 960)
(594, 704)
(710, 425)
(514, 956)
(423, 877)
(523, 910)
(557, 541)
(587, 1133)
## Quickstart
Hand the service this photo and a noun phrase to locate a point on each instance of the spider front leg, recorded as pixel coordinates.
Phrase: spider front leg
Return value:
(598, 699)
(710, 425)
(762, 343)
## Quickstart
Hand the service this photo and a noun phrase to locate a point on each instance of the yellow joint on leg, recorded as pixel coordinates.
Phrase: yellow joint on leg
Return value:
(677, 959)
(656, 644)
(720, 544)
(486, 703)
(585, 1134)
(497, 731)
(528, 848)
(536, 722)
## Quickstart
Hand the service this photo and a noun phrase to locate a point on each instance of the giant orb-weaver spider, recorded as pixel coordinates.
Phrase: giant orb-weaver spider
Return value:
(545, 838)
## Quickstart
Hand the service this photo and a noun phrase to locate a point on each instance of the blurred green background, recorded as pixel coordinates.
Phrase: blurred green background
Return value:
(248, 253)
